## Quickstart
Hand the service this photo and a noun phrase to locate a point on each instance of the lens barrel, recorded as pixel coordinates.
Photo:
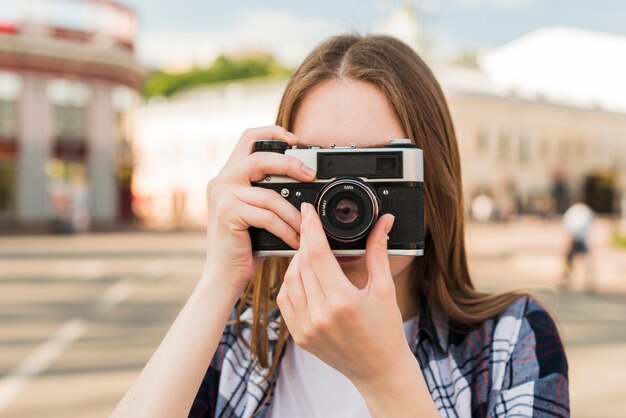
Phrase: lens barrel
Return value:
(348, 208)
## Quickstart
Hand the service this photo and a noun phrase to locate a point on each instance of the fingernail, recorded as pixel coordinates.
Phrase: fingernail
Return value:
(291, 134)
(304, 209)
(308, 170)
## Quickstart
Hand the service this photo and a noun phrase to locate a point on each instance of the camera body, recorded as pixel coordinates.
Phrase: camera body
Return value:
(352, 189)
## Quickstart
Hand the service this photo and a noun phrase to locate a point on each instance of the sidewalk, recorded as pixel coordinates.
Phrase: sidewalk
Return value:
(532, 253)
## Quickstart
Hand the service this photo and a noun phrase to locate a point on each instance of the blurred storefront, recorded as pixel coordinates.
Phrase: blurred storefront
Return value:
(68, 79)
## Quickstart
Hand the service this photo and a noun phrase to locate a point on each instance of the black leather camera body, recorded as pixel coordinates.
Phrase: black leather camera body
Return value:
(352, 189)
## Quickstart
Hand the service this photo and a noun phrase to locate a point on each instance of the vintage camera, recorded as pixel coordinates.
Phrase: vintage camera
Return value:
(353, 188)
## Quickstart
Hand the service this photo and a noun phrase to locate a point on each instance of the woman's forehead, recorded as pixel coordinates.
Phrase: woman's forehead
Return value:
(345, 111)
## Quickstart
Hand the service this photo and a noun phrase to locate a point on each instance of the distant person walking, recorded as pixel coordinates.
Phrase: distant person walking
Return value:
(578, 220)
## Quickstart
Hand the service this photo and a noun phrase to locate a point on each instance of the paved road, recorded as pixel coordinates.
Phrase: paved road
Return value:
(80, 315)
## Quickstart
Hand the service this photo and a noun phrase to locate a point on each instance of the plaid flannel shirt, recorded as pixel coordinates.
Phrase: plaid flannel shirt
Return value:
(513, 365)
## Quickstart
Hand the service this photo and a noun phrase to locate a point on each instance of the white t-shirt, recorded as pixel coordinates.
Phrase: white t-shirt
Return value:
(577, 220)
(309, 388)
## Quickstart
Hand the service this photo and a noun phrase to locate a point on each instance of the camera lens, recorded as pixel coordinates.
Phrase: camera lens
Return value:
(347, 208)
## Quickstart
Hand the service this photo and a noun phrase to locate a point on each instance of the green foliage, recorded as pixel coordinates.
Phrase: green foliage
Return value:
(161, 83)
(619, 240)
(468, 58)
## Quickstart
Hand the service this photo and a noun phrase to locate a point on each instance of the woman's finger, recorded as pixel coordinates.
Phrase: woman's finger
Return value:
(292, 283)
(270, 200)
(249, 136)
(249, 215)
(286, 309)
(260, 164)
(318, 256)
(314, 292)
(376, 257)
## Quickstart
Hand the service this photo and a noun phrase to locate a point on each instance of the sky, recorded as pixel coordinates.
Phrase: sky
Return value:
(180, 30)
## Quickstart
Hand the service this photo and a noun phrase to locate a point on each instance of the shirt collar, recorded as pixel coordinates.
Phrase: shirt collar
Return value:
(273, 327)
(433, 322)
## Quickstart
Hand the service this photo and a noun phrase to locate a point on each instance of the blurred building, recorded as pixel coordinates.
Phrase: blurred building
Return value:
(182, 143)
(530, 150)
(542, 121)
(402, 22)
(68, 76)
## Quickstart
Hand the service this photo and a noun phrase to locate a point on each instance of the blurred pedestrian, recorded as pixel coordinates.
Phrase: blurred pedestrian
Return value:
(482, 208)
(578, 220)
(560, 191)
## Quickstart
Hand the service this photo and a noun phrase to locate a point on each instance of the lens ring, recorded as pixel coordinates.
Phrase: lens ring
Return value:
(357, 191)
(346, 224)
(346, 210)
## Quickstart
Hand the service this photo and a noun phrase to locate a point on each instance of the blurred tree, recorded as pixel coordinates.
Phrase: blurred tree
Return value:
(467, 58)
(224, 68)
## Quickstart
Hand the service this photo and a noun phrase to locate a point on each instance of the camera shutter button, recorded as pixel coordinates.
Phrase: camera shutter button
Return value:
(400, 143)
(270, 146)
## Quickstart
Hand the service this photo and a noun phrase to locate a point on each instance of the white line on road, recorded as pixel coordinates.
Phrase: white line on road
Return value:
(40, 360)
(115, 295)
(91, 269)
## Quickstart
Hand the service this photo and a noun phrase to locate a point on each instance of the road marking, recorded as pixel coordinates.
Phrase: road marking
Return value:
(49, 351)
(40, 359)
(154, 268)
(114, 295)
(91, 270)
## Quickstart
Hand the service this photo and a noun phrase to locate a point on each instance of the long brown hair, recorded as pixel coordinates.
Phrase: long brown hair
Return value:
(442, 274)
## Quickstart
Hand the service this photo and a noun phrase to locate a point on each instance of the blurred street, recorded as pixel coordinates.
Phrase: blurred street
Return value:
(80, 315)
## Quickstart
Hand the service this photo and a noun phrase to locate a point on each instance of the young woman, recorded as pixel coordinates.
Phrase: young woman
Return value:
(317, 335)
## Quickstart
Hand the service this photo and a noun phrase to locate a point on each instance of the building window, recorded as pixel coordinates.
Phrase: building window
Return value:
(482, 141)
(70, 101)
(504, 145)
(8, 159)
(8, 178)
(10, 91)
(69, 123)
(580, 150)
(7, 119)
(544, 148)
(564, 150)
(524, 146)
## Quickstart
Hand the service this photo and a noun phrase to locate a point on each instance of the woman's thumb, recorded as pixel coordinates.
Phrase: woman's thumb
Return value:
(376, 257)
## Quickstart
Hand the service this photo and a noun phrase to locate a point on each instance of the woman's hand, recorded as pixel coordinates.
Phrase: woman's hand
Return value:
(356, 331)
(234, 206)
